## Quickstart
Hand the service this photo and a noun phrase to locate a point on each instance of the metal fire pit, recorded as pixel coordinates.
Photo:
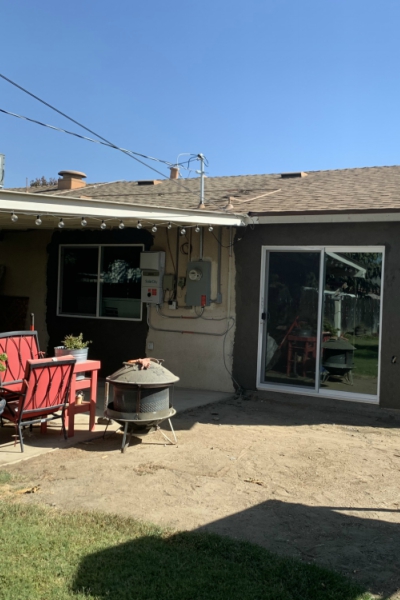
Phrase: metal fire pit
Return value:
(140, 398)
(339, 358)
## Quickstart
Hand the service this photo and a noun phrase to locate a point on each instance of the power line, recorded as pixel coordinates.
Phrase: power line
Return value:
(82, 137)
(127, 152)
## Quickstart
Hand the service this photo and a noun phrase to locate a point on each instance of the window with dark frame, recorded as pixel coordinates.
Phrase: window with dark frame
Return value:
(100, 281)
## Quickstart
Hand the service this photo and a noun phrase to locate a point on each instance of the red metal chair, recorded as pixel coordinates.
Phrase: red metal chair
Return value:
(45, 392)
(20, 346)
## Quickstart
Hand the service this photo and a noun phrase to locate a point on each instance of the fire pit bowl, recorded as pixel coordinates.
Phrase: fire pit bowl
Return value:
(338, 358)
(140, 397)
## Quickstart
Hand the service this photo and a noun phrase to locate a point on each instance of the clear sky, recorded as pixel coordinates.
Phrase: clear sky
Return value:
(262, 86)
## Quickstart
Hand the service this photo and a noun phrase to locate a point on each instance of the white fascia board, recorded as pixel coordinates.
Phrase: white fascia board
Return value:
(60, 206)
(326, 218)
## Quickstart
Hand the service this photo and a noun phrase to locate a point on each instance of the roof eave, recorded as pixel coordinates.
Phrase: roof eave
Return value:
(336, 216)
(61, 206)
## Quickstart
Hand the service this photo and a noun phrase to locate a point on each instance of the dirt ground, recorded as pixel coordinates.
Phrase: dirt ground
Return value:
(315, 479)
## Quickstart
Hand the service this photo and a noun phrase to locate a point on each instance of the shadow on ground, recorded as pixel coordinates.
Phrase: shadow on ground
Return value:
(191, 566)
(262, 409)
(360, 544)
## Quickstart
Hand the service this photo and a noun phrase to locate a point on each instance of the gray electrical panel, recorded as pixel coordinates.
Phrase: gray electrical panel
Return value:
(198, 283)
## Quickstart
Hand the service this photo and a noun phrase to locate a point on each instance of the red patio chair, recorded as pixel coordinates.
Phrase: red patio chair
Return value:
(45, 392)
(20, 346)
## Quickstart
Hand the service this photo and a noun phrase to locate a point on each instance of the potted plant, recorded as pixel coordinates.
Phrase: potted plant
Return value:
(74, 345)
(3, 358)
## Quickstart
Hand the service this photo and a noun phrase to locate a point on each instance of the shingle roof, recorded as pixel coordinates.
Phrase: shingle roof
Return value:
(347, 190)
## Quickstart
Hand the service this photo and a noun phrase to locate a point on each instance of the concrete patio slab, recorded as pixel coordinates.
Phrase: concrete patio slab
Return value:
(36, 444)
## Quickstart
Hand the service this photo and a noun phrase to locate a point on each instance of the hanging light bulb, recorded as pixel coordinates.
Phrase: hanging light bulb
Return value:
(183, 231)
(154, 228)
(197, 229)
(139, 225)
(169, 226)
(38, 220)
(83, 222)
(14, 218)
(121, 225)
(210, 228)
(61, 224)
(103, 225)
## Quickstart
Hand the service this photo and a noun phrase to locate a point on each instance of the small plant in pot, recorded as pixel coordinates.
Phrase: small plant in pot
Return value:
(74, 345)
(3, 358)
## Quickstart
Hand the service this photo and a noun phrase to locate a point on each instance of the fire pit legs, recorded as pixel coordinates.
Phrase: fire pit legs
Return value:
(124, 444)
(139, 434)
(173, 433)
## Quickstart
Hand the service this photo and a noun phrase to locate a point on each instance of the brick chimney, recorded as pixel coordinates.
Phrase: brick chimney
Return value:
(71, 180)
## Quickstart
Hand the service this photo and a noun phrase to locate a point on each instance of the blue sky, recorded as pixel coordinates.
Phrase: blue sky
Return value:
(264, 86)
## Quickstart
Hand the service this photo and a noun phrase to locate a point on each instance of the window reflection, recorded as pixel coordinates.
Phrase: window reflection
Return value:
(351, 317)
(292, 318)
(109, 288)
(120, 282)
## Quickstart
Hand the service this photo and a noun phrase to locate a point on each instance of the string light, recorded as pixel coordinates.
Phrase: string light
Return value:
(210, 228)
(83, 222)
(61, 224)
(139, 225)
(154, 228)
(14, 218)
(197, 229)
(121, 225)
(38, 220)
(183, 231)
(169, 226)
(103, 225)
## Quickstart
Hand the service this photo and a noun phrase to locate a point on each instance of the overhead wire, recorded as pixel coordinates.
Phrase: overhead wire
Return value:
(129, 153)
(105, 141)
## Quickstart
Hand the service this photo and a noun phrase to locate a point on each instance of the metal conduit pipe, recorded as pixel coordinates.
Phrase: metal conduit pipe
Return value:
(191, 332)
(158, 309)
(201, 241)
(178, 233)
(219, 295)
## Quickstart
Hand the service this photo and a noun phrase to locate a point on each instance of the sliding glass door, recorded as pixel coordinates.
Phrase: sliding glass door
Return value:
(291, 318)
(320, 320)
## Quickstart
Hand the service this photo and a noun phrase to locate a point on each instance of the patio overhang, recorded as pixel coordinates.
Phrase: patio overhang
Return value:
(51, 208)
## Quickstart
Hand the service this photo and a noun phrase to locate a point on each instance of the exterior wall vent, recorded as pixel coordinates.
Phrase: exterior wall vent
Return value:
(71, 180)
(293, 175)
(148, 182)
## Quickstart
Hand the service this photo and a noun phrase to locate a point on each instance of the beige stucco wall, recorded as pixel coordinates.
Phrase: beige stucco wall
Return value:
(196, 358)
(25, 257)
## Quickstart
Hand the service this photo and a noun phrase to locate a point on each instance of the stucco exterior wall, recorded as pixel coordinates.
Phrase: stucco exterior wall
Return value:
(248, 265)
(199, 359)
(24, 254)
(196, 358)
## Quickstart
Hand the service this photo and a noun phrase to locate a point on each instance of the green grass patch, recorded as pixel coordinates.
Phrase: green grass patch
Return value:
(46, 554)
(5, 477)
(366, 356)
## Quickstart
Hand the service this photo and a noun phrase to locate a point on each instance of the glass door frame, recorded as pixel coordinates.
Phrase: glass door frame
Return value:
(263, 310)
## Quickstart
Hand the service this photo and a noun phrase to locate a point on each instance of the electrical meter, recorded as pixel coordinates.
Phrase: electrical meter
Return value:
(195, 274)
(198, 283)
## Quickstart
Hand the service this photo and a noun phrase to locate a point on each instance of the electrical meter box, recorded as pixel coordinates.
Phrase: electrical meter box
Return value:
(152, 265)
(198, 283)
